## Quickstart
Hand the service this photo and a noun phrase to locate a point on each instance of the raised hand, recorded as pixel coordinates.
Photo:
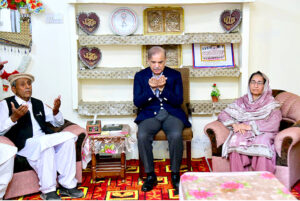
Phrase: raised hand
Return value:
(161, 82)
(2, 64)
(18, 113)
(153, 83)
(56, 106)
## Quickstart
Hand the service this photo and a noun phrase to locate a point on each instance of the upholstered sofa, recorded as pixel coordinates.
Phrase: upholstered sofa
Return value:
(25, 180)
(287, 141)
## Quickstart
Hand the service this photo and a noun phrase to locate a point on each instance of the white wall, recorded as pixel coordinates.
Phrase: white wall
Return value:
(274, 42)
(273, 47)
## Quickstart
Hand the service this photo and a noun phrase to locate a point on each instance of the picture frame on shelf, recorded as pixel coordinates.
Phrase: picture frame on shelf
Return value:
(162, 21)
(213, 55)
(174, 55)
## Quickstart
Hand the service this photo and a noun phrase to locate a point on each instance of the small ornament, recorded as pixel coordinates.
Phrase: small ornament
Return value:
(88, 22)
(229, 20)
(90, 56)
(5, 87)
(93, 127)
(123, 21)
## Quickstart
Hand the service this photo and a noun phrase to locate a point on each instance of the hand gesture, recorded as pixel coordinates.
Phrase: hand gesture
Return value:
(161, 82)
(18, 113)
(2, 64)
(56, 106)
(153, 83)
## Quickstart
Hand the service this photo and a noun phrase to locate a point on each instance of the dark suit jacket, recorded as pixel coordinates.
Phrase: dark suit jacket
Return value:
(149, 105)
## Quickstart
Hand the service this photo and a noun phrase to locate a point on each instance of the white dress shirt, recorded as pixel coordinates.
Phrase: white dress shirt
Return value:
(39, 141)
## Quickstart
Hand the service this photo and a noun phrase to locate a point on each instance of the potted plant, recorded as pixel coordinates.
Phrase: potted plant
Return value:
(215, 93)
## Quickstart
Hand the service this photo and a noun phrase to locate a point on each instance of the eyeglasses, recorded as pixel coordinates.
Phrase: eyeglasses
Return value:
(253, 82)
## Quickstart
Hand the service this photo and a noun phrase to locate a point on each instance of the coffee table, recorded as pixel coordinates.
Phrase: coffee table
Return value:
(232, 186)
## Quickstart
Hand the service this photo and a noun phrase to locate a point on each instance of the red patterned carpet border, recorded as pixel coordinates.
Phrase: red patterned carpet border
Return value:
(114, 189)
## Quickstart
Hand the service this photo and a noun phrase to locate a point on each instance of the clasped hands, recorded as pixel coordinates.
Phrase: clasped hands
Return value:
(23, 109)
(241, 128)
(158, 83)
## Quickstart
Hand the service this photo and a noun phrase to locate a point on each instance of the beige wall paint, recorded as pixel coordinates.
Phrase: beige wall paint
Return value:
(275, 42)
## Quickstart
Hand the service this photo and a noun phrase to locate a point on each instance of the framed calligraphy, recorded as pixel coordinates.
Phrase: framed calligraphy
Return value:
(163, 20)
(230, 19)
(88, 22)
(213, 55)
(89, 56)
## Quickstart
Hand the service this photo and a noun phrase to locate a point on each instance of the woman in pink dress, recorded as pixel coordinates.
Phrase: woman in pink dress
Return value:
(253, 121)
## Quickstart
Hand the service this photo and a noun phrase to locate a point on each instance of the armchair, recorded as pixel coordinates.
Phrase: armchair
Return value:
(287, 141)
(187, 133)
(25, 180)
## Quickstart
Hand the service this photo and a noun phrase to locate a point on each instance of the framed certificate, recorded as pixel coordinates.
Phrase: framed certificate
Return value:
(213, 55)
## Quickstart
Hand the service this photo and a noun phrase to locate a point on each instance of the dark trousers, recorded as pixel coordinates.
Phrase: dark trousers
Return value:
(172, 126)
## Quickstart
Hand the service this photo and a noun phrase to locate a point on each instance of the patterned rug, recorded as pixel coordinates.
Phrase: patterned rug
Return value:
(114, 189)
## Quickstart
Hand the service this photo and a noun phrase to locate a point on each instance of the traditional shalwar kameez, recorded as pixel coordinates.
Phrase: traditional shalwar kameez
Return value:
(255, 148)
(47, 154)
(7, 153)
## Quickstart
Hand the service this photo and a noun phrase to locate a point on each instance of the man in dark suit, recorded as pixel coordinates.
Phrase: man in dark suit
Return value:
(158, 94)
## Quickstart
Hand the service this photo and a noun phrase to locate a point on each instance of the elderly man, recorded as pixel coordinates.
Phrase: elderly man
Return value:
(158, 94)
(23, 120)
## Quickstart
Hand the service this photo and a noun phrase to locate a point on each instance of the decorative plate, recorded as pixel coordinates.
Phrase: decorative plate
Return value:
(123, 21)
(88, 22)
(229, 20)
(90, 56)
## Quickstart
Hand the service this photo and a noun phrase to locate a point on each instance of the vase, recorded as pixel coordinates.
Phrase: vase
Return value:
(215, 99)
(24, 13)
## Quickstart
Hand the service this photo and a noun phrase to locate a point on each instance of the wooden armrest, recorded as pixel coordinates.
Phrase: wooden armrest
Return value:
(218, 130)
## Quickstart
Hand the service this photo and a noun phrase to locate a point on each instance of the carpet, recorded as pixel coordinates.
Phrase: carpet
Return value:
(114, 189)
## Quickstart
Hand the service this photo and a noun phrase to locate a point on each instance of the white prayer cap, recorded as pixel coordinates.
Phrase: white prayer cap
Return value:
(14, 77)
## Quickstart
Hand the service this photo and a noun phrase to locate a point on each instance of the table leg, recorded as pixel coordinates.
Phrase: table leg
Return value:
(94, 167)
(123, 166)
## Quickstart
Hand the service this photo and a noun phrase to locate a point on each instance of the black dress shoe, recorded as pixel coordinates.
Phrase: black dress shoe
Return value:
(50, 196)
(175, 177)
(72, 192)
(149, 183)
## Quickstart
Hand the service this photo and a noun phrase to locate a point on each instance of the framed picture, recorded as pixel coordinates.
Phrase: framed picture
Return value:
(213, 55)
(161, 21)
(174, 55)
